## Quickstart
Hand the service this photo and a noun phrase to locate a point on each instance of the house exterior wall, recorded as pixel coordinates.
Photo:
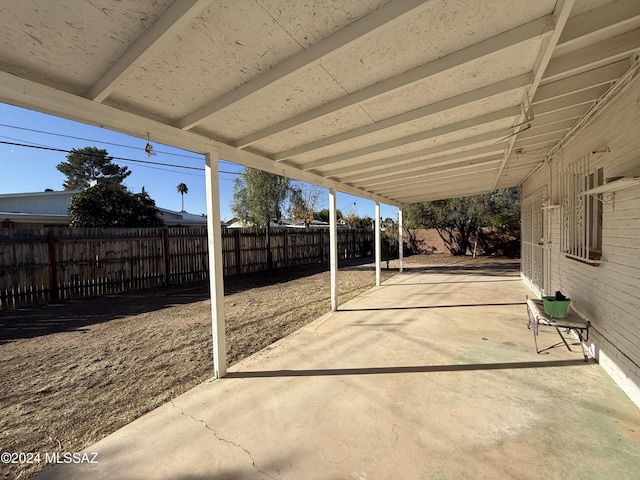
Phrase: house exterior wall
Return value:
(608, 294)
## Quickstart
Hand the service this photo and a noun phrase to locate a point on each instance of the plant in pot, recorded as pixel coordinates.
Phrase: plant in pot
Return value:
(556, 306)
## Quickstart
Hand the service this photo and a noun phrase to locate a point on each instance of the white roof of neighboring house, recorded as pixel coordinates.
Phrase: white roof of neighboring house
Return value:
(51, 207)
(37, 203)
(285, 223)
(183, 218)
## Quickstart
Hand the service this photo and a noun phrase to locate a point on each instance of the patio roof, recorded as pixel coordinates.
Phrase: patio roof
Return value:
(397, 101)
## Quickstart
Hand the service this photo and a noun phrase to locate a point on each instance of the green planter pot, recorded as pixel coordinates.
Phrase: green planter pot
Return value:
(556, 308)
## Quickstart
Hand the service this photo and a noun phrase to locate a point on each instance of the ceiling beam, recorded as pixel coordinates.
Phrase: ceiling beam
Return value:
(561, 14)
(438, 175)
(541, 139)
(372, 170)
(583, 81)
(362, 28)
(535, 29)
(447, 193)
(466, 98)
(593, 56)
(585, 97)
(560, 115)
(505, 113)
(598, 21)
(547, 128)
(451, 181)
(175, 18)
(27, 94)
(475, 156)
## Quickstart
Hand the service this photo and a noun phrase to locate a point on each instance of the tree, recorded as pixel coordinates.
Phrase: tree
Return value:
(457, 219)
(258, 197)
(358, 222)
(90, 163)
(111, 205)
(182, 189)
(390, 239)
(303, 201)
(323, 215)
(504, 208)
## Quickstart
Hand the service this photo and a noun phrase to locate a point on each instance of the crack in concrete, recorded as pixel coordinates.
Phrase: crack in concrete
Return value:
(221, 439)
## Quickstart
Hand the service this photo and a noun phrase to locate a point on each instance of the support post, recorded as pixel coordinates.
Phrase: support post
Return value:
(216, 286)
(378, 243)
(400, 240)
(333, 248)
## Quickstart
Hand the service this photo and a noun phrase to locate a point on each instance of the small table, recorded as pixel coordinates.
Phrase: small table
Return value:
(537, 318)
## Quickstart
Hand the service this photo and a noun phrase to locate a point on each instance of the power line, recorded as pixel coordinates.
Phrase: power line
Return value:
(88, 139)
(100, 141)
(19, 140)
(36, 145)
(146, 162)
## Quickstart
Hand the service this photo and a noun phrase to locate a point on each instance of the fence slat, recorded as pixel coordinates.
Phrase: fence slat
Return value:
(48, 265)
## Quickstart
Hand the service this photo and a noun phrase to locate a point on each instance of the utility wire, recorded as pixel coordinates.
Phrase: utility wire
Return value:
(99, 141)
(85, 139)
(146, 162)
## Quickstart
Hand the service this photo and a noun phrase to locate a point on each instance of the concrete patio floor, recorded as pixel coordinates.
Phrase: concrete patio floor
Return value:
(433, 375)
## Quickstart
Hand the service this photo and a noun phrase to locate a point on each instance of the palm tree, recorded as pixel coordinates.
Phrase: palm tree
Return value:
(182, 189)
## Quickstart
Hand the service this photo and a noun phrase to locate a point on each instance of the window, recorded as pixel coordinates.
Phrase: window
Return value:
(582, 212)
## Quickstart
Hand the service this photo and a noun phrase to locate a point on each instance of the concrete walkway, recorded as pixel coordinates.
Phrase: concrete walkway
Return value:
(433, 375)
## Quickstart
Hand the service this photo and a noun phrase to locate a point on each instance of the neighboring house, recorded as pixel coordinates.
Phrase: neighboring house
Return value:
(284, 223)
(50, 209)
(581, 232)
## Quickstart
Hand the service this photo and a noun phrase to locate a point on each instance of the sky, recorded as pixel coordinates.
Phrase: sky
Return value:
(25, 169)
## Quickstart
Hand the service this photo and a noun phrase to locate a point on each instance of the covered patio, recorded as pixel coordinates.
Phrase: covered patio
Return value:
(433, 374)
(395, 101)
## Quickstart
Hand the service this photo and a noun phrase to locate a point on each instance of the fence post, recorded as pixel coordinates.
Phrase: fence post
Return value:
(286, 247)
(238, 251)
(53, 267)
(165, 256)
(353, 244)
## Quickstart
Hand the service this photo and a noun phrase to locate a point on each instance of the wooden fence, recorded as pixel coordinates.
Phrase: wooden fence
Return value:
(40, 266)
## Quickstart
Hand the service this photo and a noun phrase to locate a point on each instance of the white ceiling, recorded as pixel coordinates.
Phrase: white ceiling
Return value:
(398, 101)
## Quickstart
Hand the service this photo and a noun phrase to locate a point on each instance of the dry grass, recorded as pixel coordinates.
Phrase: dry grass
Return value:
(71, 374)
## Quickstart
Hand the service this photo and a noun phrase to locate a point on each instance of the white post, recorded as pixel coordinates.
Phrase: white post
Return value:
(216, 286)
(333, 248)
(400, 239)
(377, 243)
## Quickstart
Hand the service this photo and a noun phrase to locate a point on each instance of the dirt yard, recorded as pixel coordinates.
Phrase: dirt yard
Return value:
(71, 374)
